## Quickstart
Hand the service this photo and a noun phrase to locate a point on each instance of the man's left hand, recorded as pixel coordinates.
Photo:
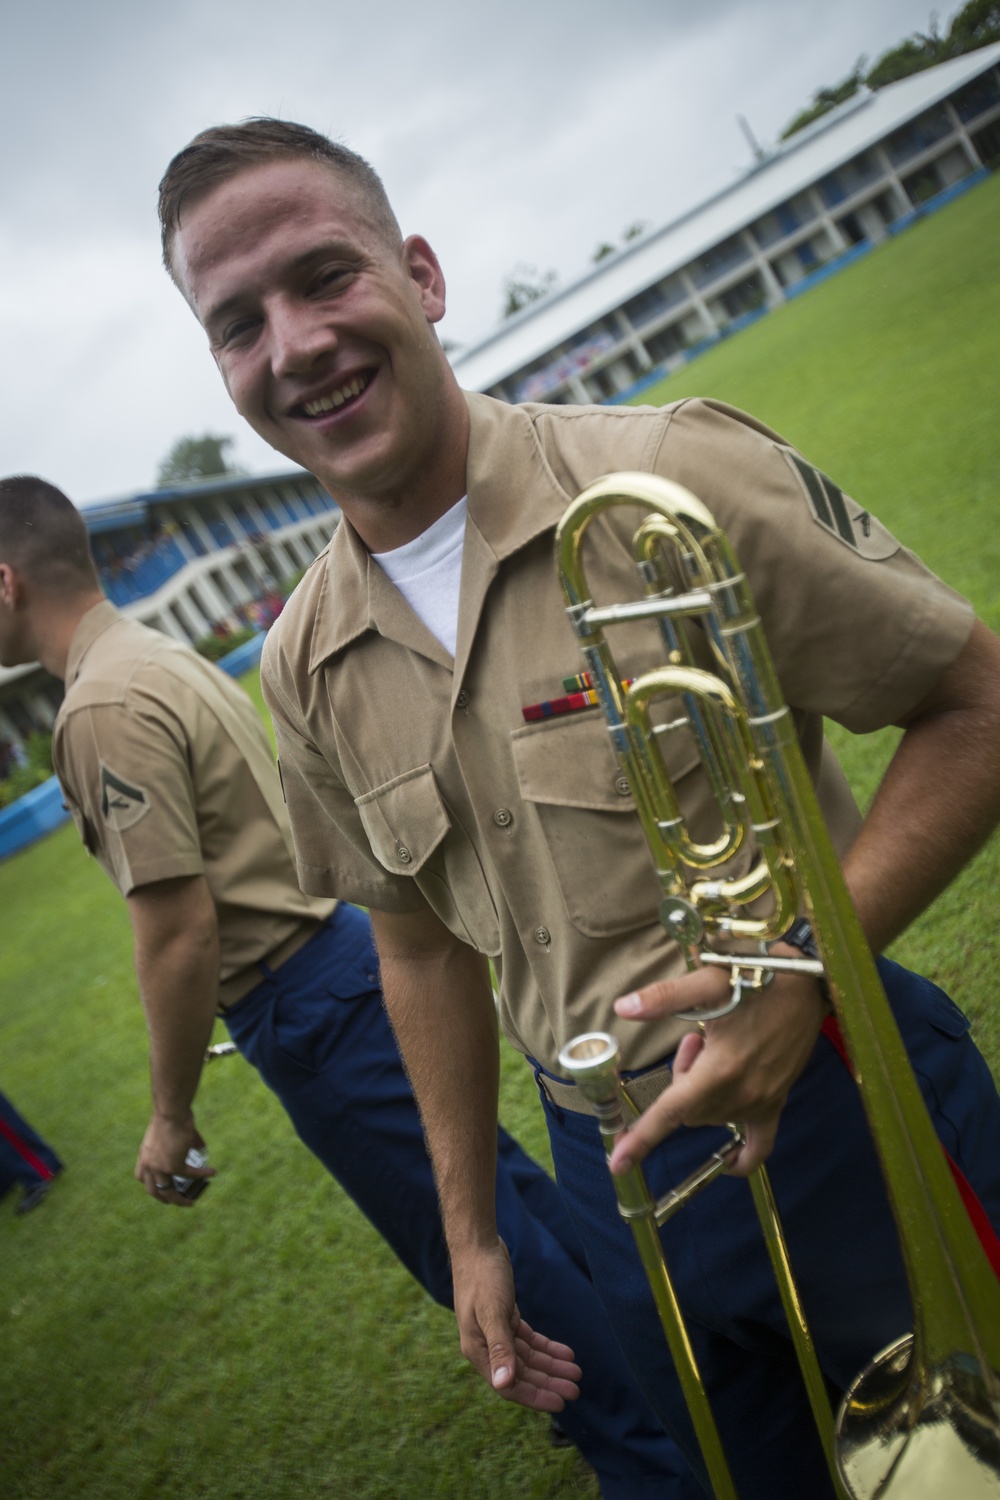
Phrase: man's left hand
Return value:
(162, 1157)
(741, 1070)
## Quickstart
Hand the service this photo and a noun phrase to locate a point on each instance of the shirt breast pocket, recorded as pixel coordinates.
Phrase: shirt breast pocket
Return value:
(599, 855)
(406, 822)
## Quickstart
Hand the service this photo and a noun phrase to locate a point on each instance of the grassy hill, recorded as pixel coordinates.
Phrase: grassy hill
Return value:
(266, 1346)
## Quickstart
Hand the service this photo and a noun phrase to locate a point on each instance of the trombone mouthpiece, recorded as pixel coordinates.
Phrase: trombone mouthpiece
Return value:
(591, 1060)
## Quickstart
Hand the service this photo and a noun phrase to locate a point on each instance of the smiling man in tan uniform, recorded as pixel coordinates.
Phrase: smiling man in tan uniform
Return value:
(418, 783)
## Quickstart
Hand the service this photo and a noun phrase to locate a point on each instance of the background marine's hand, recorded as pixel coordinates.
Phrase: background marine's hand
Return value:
(741, 1070)
(162, 1157)
(521, 1365)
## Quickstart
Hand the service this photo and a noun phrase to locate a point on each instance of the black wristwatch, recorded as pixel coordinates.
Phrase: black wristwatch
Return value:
(801, 935)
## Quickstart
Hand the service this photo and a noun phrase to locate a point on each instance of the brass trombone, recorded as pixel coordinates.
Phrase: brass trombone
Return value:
(924, 1418)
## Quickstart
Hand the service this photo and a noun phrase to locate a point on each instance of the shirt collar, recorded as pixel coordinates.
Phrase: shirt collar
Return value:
(513, 497)
(98, 619)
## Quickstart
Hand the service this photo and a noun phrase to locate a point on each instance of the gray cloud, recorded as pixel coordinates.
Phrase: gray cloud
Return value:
(504, 133)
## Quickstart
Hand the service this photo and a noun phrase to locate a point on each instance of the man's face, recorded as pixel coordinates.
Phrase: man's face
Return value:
(320, 328)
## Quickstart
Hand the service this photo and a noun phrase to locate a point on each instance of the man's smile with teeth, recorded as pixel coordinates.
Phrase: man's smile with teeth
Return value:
(336, 398)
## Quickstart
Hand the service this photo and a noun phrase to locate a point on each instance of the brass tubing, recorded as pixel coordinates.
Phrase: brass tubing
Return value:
(592, 1059)
(805, 1349)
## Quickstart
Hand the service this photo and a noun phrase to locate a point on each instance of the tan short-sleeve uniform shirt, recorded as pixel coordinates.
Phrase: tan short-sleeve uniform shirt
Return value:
(167, 771)
(413, 778)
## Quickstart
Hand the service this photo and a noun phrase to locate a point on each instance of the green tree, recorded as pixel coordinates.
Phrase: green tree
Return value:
(525, 285)
(193, 458)
(912, 56)
(976, 25)
(635, 229)
(826, 99)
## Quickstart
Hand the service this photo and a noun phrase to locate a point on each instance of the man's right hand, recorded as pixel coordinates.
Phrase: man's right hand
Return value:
(521, 1365)
(162, 1157)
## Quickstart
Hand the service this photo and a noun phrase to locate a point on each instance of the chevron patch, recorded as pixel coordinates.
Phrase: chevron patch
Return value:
(827, 501)
(122, 804)
(838, 514)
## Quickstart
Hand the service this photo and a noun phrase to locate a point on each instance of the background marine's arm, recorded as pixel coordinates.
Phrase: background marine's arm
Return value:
(176, 937)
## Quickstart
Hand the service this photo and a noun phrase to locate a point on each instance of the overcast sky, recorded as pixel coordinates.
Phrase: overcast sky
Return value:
(522, 132)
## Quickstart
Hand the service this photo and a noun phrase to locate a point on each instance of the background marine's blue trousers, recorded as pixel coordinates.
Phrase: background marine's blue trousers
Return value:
(317, 1033)
(841, 1235)
(24, 1156)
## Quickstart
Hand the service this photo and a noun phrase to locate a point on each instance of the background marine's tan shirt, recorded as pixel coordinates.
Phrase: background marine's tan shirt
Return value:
(167, 771)
(413, 778)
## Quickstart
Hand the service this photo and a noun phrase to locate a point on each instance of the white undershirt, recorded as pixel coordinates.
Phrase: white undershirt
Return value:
(428, 572)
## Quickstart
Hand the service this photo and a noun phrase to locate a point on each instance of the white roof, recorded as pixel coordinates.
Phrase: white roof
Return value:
(797, 163)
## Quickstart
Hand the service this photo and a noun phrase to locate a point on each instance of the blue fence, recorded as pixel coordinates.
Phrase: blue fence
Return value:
(42, 810)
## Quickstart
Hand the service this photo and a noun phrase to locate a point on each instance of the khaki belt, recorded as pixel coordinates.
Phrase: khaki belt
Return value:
(640, 1091)
(239, 985)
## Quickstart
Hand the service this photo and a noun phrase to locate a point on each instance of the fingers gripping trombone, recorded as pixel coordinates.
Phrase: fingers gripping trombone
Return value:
(930, 1404)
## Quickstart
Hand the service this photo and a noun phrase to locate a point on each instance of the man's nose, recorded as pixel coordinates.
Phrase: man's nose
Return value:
(299, 338)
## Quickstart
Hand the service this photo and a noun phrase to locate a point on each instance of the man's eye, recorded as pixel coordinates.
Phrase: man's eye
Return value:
(330, 278)
(235, 332)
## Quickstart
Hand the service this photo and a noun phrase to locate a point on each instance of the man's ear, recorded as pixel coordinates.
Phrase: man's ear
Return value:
(10, 586)
(424, 270)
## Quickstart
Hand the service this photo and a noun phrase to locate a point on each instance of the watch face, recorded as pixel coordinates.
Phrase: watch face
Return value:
(800, 935)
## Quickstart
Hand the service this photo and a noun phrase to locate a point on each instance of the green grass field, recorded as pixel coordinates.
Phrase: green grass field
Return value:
(266, 1346)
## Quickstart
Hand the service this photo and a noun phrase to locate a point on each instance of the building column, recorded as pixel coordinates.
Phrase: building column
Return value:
(184, 547)
(773, 289)
(310, 536)
(830, 224)
(634, 339)
(206, 587)
(975, 160)
(263, 525)
(291, 564)
(239, 589)
(292, 547)
(163, 620)
(901, 195)
(700, 305)
(279, 552)
(231, 519)
(187, 608)
(198, 525)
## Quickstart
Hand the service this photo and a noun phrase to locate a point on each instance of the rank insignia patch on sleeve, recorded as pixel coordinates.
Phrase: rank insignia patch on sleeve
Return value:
(843, 517)
(122, 804)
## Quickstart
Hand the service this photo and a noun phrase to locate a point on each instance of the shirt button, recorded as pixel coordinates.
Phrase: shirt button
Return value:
(462, 701)
(541, 935)
(503, 817)
(622, 787)
(403, 854)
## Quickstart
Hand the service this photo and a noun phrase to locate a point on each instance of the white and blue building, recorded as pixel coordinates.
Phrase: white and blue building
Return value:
(860, 173)
(191, 561)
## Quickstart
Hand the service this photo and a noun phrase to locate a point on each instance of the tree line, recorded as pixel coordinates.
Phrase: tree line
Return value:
(974, 26)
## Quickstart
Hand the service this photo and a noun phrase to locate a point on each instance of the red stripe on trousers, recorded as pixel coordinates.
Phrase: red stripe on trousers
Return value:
(977, 1213)
(25, 1152)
